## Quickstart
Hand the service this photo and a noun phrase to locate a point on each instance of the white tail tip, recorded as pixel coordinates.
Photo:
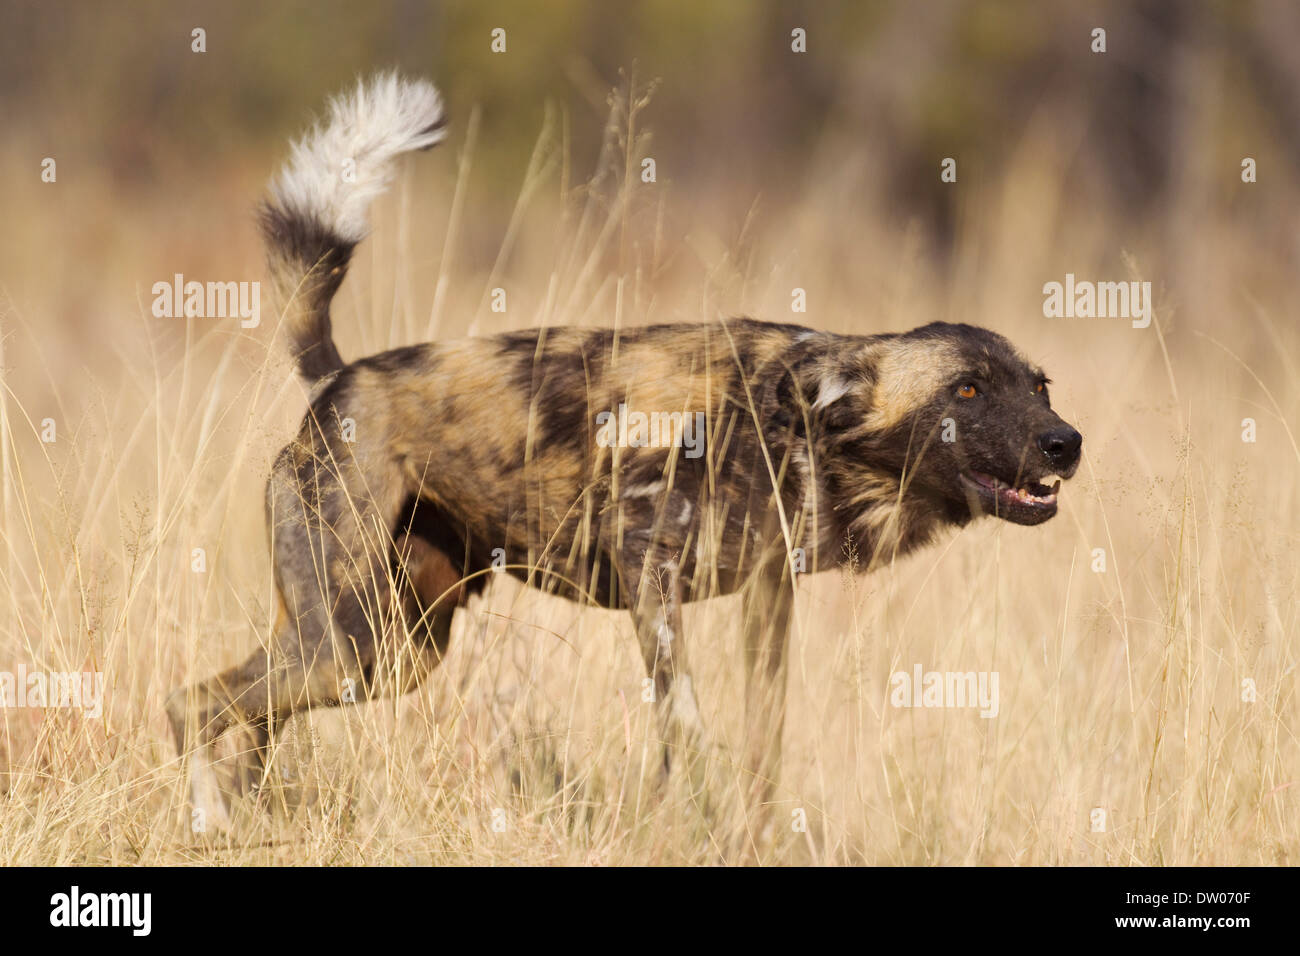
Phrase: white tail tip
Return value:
(339, 167)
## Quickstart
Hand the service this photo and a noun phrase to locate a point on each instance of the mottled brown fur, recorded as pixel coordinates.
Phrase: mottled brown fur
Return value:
(465, 447)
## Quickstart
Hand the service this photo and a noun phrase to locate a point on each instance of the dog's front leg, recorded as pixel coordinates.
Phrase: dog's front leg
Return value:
(656, 605)
(768, 600)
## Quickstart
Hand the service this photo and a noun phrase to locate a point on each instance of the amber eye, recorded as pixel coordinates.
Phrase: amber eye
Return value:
(1039, 388)
(967, 391)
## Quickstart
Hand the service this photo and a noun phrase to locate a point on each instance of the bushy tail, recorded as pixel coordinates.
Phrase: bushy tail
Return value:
(317, 209)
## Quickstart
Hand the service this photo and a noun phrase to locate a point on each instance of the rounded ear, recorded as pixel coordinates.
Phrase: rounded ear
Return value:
(832, 389)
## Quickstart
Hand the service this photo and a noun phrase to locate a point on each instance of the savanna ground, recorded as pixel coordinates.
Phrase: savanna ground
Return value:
(1121, 684)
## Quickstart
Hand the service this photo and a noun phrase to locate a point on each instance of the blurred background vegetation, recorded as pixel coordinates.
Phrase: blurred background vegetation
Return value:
(116, 86)
(775, 169)
(885, 91)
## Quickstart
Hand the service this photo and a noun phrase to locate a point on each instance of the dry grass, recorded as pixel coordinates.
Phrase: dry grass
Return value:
(1119, 689)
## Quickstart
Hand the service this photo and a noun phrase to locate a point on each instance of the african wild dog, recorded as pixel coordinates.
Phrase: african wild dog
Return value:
(849, 448)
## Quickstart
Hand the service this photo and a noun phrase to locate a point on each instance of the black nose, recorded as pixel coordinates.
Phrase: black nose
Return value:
(1061, 445)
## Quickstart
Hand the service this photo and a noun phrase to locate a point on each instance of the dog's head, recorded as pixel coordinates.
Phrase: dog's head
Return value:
(960, 417)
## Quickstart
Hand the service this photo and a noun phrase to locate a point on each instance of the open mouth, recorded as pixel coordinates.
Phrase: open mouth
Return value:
(1026, 503)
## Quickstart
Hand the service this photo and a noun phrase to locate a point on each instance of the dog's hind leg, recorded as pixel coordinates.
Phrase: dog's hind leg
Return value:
(332, 538)
(358, 622)
(236, 701)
